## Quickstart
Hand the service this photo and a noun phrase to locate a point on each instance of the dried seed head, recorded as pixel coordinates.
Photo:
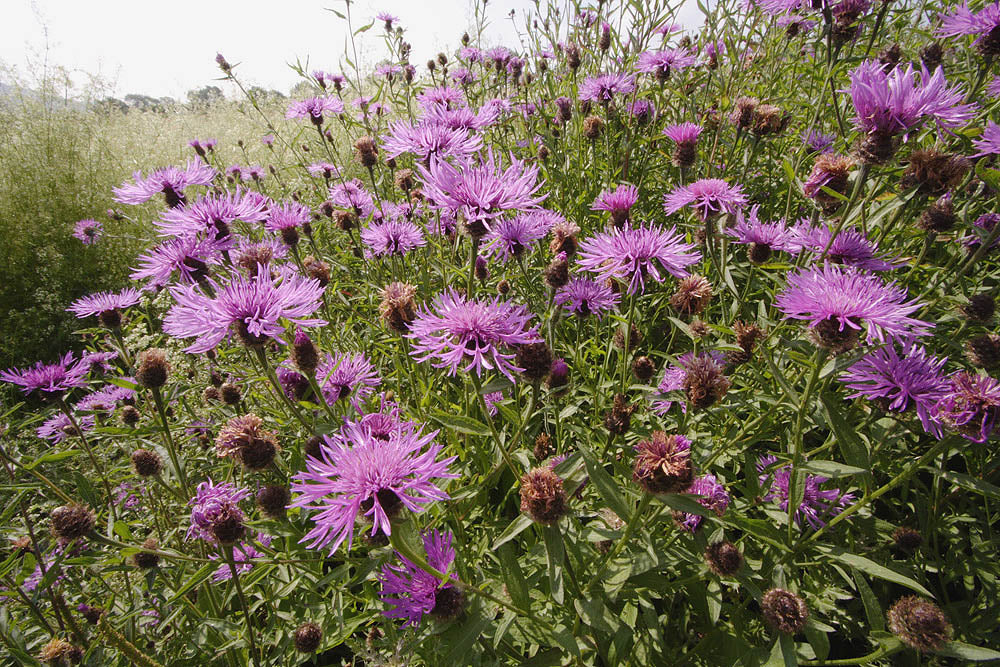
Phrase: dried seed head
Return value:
(58, 652)
(634, 339)
(784, 611)
(643, 369)
(273, 500)
(308, 637)
(346, 220)
(317, 269)
(769, 120)
(542, 496)
(919, 623)
(153, 368)
(244, 438)
(535, 359)
(907, 539)
(367, 152)
(147, 560)
(890, 57)
(146, 463)
(699, 329)
(832, 171)
(663, 463)
(877, 147)
(743, 112)
(311, 448)
(129, 415)
(70, 522)
(557, 272)
(692, 295)
(938, 217)
(704, 383)
(404, 179)
(980, 308)
(932, 56)
(544, 447)
(230, 393)
(592, 127)
(228, 528)
(398, 307)
(934, 172)
(984, 351)
(210, 394)
(564, 238)
(619, 418)
(723, 558)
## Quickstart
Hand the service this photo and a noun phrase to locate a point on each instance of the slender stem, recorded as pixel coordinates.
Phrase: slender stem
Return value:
(168, 440)
(855, 194)
(98, 468)
(228, 551)
(797, 440)
(629, 530)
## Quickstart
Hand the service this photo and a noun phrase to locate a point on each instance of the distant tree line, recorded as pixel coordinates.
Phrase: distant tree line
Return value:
(197, 98)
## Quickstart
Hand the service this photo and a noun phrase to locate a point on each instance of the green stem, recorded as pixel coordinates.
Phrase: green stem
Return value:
(797, 441)
(630, 529)
(228, 550)
(169, 442)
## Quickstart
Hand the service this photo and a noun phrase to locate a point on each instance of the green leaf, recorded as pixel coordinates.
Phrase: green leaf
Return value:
(513, 576)
(51, 457)
(197, 578)
(851, 446)
(818, 640)
(969, 483)
(461, 423)
(462, 636)
(122, 531)
(605, 485)
(515, 528)
(830, 469)
(873, 569)
(555, 553)
(873, 610)
(683, 502)
(965, 651)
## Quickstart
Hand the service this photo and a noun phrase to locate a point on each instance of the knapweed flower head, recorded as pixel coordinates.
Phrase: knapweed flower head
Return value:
(214, 506)
(617, 202)
(253, 308)
(604, 87)
(106, 398)
(287, 215)
(105, 305)
(213, 214)
(894, 103)
(412, 593)
(850, 246)
(357, 473)
(583, 297)
(244, 555)
(662, 64)
(712, 496)
(189, 256)
(709, 196)
(634, 254)
(663, 463)
(897, 382)
(59, 427)
(429, 140)
(391, 237)
(324, 169)
(818, 142)
(440, 97)
(476, 335)
(171, 181)
(251, 255)
(315, 108)
(970, 405)
(989, 142)
(65, 374)
(985, 24)
(683, 133)
(762, 237)
(817, 506)
(829, 171)
(353, 195)
(674, 377)
(483, 191)
(346, 375)
(837, 300)
(512, 237)
(88, 231)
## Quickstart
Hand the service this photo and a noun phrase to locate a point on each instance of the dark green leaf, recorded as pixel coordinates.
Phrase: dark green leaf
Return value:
(461, 423)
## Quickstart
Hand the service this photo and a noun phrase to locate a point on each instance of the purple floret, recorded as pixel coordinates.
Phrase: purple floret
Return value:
(634, 254)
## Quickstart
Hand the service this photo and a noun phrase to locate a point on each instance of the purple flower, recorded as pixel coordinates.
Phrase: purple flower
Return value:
(388, 70)
(584, 297)
(189, 256)
(510, 237)
(430, 140)
(98, 361)
(892, 103)
(455, 331)
(896, 382)
(683, 133)
(391, 237)
(604, 87)
(618, 201)
(59, 427)
(851, 247)
(213, 214)
(440, 97)
(642, 110)
(411, 591)
(989, 142)
(352, 195)
(986, 222)
(674, 375)
(267, 140)
(993, 88)
(358, 473)
(963, 21)
(324, 169)
(482, 192)
(126, 496)
(713, 497)
(662, 63)
(250, 254)
(88, 231)
(970, 405)
(635, 253)
(211, 504)
(171, 181)
(65, 374)
(491, 399)
(384, 423)
(387, 18)
(106, 398)
(315, 108)
(708, 196)
(751, 231)
(287, 215)
(243, 556)
(818, 142)
(103, 303)
(832, 297)
(817, 504)
(253, 307)
(341, 375)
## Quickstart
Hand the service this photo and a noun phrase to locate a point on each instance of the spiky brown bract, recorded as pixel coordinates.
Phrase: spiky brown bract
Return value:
(153, 368)
(919, 623)
(663, 463)
(273, 500)
(723, 558)
(619, 418)
(542, 496)
(308, 637)
(704, 382)
(146, 462)
(145, 560)
(784, 611)
(692, 295)
(70, 522)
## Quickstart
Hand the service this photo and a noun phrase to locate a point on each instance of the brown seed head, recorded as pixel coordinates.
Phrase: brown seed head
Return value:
(542, 496)
(153, 368)
(692, 295)
(723, 558)
(663, 463)
(147, 560)
(619, 418)
(784, 611)
(308, 637)
(398, 307)
(70, 522)
(919, 623)
(146, 463)
(704, 382)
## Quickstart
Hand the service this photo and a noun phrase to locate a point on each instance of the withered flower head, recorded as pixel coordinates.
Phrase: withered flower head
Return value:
(919, 623)
(542, 496)
(663, 463)
(784, 611)
(692, 295)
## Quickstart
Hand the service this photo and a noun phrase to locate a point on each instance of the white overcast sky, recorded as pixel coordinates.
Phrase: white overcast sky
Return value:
(158, 47)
